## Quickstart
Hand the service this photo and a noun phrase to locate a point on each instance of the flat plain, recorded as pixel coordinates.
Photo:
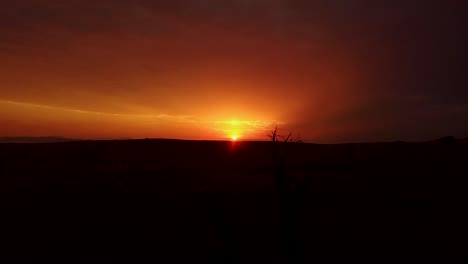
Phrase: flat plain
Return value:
(233, 202)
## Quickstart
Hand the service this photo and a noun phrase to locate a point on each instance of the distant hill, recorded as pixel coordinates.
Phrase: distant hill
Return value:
(34, 139)
(449, 140)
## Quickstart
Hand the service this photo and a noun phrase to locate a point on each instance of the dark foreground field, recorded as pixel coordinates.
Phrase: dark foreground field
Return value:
(173, 201)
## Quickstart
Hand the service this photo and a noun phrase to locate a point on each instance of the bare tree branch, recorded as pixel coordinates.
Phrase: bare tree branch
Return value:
(274, 135)
(288, 137)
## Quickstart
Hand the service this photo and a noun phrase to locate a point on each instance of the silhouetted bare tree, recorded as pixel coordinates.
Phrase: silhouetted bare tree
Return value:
(273, 134)
(285, 193)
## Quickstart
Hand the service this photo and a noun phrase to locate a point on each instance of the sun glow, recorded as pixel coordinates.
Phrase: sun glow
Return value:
(236, 129)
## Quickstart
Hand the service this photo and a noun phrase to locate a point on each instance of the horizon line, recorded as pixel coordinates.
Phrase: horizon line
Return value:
(67, 139)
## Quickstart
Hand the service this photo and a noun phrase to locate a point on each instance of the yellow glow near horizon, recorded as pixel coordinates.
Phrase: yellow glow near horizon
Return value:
(234, 122)
(234, 129)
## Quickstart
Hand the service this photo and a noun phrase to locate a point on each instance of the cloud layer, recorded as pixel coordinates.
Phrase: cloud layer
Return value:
(334, 70)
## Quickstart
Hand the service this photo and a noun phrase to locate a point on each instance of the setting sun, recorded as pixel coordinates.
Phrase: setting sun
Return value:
(234, 138)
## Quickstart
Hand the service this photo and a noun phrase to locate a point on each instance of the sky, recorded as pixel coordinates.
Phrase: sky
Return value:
(331, 71)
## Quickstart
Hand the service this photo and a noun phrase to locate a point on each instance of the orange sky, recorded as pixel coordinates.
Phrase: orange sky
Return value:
(204, 70)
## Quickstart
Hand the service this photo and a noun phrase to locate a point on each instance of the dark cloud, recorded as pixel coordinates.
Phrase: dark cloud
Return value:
(416, 65)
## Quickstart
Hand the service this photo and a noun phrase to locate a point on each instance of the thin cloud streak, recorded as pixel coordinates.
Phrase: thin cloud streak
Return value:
(179, 118)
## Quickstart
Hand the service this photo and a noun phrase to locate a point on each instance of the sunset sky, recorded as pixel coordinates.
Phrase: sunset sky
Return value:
(331, 70)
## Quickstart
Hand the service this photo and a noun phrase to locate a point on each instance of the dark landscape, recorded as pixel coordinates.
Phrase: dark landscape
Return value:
(233, 202)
